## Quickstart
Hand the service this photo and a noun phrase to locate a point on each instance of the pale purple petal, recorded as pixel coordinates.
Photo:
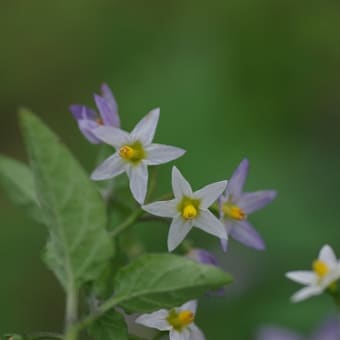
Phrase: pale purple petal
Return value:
(209, 223)
(244, 232)
(145, 130)
(190, 305)
(329, 330)
(237, 180)
(138, 176)
(162, 208)
(195, 333)
(112, 105)
(183, 335)
(228, 224)
(302, 276)
(210, 193)
(305, 293)
(253, 201)
(155, 320)
(327, 255)
(111, 167)
(179, 228)
(159, 153)
(112, 136)
(203, 256)
(180, 185)
(87, 127)
(82, 112)
(277, 333)
(224, 244)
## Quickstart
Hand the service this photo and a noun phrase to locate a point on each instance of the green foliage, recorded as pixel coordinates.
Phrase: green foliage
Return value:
(155, 281)
(79, 246)
(111, 326)
(17, 180)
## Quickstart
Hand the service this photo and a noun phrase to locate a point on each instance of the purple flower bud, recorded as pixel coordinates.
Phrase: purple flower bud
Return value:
(88, 120)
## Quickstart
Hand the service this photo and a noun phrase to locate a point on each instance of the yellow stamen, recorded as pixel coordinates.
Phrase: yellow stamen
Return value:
(320, 268)
(233, 211)
(180, 320)
(99, 121)
(126, 152)
(189, 212)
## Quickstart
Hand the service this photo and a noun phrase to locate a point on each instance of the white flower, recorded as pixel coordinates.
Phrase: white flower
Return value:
(134, 152)
(189, 209)
(178, 321)
(326, 271)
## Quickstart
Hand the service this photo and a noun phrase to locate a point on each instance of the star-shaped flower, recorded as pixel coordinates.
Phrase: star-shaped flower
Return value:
(178, 321)
(325, 273)
(134, 152)
(88, 120)
(235, 206)
(189, 209)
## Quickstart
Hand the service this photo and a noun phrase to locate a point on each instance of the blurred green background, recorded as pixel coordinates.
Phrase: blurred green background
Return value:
(257, 79)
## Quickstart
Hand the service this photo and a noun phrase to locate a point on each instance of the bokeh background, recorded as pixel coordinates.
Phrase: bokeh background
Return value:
(234, 79)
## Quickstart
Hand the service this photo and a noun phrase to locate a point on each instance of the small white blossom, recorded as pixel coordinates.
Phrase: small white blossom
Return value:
(178, 321)
(326, 271)
(134, 152)
(189, 209)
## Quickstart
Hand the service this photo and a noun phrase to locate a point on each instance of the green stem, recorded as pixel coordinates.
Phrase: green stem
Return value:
(71, 314)
(127, 223)
(102, 309)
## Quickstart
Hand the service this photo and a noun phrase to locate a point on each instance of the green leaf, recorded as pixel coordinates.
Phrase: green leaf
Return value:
(17, 180)
(158, 281)
(111, 326)
(79, 246)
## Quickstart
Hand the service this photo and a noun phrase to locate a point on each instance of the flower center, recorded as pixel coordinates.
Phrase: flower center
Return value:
(320, 268)
(99, 121)
(189, 208)
(189, 212)
(233, 211)
(179, 320)
(133, 153)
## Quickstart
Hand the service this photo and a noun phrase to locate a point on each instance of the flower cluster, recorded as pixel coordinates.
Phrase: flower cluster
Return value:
(220, 209)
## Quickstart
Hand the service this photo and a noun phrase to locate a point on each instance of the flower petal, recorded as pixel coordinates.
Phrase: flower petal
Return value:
(210, 193)
(179, 228)
(145, 129)
(162, 208)
(182, 335)
(87, 126)
(305, 293)
(228, 224)
(111, 135)
(302, 276)
(180, 185)
(327, 255)
(138, 176)
(155, 320)
(252, 201)
(202, 256)
(236, 182)
(196, 333)
(244, 232)
(276, 333)
(111, 167)
(112, 105)
(82, 112)
(190, 305)
(329, 330)
(207, 222)
(159, 153)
